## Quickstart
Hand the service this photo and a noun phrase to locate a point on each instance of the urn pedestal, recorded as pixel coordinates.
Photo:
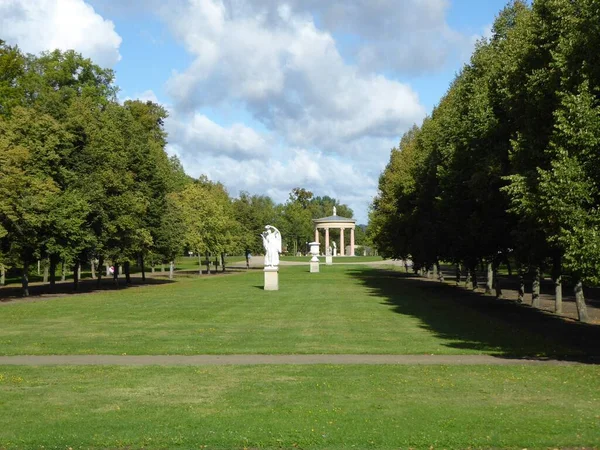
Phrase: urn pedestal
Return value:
(314, 261)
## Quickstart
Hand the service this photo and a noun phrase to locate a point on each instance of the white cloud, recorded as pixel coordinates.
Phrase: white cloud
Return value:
(277, 176)
(330, 124)
(37, 25)
(290, 75)
(199, 135)
(321, 77)
(148, 96)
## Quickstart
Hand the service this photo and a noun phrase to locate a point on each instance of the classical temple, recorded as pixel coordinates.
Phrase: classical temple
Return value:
(336, 222)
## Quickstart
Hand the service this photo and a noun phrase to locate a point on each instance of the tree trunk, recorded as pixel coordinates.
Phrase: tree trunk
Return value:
(558, 295)
(120, 269)
(434, 270)
(2, 275)
(100, 264)
(440, 272)
(468, 278)
(162, 267)
(143, 268)
(535, 288)
(107, 270)
(508, 267)
(199, 264)
(63, 272)
(46, 272)
(116, 274)
(521, 297)
(458, 269)
(171, 269)
(222, 262)
(580, 302)
(52, 272)
(474, 277)
(152, 266)
(247, 259)
(93, 268)
(207, 263)
(490, 278)
(76, 275)
(127, 267)
(39, 272)
(557, 278)
(25, 279)
(497, 285)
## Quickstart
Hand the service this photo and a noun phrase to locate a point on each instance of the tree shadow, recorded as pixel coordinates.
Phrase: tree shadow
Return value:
(38, 291)
(474, 321)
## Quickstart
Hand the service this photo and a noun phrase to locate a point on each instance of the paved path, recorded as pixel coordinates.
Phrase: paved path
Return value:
(221, 360)
(259, 262)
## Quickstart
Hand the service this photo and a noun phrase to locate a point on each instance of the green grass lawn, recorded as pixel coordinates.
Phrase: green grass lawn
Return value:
(191, 262)
(342, 309)
(182, 263)
(305, 407)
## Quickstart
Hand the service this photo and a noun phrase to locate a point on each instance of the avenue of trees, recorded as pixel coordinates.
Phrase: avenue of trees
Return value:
(85, 180)
(506, 168)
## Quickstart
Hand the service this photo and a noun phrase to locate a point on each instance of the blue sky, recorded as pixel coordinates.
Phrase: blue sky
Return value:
(266, 95)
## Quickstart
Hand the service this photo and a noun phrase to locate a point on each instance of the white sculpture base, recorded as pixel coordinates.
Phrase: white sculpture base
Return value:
(271, 278)
(314, 267)
(329, 260)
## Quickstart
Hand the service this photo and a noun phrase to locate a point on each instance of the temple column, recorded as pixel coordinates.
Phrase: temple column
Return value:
(342, 241)
(351, 241)
(326, 239)
(316, 234)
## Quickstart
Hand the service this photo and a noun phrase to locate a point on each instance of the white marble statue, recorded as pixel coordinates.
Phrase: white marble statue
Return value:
(334, 249)
(272, 242)
(334, 211)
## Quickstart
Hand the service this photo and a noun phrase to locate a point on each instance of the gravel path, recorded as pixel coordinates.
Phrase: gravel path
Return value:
(221, 360)
(259, 262)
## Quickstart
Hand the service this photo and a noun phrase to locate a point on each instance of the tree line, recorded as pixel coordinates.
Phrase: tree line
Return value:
(85, 180)
(505, 169)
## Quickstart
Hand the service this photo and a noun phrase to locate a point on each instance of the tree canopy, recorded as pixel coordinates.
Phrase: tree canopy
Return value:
(505, 165)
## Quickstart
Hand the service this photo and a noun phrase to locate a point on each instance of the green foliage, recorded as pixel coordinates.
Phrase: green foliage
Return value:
(82, 175)
(253, 212)
(209, 222)
(507, 162)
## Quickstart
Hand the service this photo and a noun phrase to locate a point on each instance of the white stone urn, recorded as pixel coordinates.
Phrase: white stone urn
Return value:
(314, 251)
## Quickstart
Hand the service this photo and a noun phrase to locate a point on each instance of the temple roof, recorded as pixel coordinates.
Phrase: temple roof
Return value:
(334, 219)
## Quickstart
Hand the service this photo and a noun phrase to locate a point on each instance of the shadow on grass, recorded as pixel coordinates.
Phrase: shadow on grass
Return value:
(474, 321)
(61, 289)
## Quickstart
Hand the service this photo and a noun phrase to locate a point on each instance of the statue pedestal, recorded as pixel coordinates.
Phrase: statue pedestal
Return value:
(271, 278)
(329, 260)
(314, 267)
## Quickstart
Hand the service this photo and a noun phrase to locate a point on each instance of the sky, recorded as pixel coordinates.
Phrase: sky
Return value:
(267, 95)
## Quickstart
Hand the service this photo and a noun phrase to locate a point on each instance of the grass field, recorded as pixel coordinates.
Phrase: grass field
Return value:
(182, 263)
(300, 407)
(343, 309)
